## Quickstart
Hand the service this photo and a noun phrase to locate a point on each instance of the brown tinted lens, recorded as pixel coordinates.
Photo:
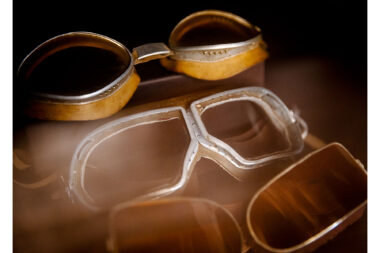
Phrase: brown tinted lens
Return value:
(309, 198)
(246, 128)
(137, 161)
(175, 226)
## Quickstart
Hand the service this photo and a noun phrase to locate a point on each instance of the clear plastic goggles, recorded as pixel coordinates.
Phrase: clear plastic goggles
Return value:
(152, 154)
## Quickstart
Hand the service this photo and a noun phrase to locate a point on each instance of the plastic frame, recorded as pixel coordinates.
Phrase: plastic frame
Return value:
(201, 145)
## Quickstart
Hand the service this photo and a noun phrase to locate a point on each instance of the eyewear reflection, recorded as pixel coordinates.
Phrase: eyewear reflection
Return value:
(153, 153)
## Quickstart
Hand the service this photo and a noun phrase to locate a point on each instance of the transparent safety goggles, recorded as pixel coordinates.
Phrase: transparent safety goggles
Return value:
(152, 154)
(297, 211)
(59, 73)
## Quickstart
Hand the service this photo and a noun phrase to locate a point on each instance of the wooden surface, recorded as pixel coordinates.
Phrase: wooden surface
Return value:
(45, 220)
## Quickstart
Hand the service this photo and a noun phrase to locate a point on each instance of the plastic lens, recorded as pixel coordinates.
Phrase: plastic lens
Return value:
(174, 225)
(246, 128)
(300, 208)
(131, 157)
(136, 161)
(257, 127)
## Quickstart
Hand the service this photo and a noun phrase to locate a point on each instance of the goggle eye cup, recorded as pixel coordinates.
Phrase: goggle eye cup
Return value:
(130, 158)
(309, 202)
(257, 128)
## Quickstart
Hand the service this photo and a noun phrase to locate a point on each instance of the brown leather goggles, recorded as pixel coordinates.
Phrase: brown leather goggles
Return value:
(86, 76)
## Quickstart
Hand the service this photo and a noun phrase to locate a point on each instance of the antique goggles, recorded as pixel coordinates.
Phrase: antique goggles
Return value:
(85, 76)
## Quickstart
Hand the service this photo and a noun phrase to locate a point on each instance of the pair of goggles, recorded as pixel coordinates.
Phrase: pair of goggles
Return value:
(152, 154)
(86, 76)
(297, 211)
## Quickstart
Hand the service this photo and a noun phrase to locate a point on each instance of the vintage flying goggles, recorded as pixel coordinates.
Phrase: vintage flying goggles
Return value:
(86, 76)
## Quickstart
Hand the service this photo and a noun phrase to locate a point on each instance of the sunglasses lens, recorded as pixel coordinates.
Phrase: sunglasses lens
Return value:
(136, 161)
(312, 196)
(175, 226)
(246, 127)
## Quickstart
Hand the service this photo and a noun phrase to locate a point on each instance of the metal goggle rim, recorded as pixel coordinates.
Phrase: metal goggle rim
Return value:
(140, 54)
(44, 50)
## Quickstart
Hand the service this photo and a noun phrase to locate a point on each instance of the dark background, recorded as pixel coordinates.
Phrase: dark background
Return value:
(318, 49)
(333, 28)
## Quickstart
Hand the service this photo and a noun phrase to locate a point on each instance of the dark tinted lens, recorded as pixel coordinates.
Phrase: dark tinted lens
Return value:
(76, 71)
